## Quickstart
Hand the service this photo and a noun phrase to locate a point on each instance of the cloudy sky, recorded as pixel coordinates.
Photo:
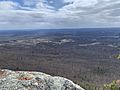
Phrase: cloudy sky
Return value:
(38, 14)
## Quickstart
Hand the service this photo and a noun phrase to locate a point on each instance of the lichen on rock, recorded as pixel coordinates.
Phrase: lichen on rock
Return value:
(24, 80)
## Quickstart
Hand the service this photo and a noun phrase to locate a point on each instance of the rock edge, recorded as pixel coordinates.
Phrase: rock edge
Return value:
(28, 80)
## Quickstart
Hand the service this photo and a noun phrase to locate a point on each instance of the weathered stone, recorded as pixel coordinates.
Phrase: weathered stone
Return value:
(22, 80)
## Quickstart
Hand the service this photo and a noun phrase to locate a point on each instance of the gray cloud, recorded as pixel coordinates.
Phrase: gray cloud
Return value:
(77, 13)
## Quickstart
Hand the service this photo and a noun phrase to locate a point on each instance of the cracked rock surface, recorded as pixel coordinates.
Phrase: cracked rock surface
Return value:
(27, 80)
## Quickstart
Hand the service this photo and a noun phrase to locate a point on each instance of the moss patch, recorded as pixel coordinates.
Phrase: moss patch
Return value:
(118, 57)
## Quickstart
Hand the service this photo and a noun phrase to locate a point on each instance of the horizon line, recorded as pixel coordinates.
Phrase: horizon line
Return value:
(60, 28)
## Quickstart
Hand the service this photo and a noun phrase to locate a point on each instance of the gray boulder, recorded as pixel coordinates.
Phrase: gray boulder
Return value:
(27, 80)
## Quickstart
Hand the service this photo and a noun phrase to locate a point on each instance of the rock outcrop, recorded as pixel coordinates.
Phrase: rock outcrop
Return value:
(24, 80)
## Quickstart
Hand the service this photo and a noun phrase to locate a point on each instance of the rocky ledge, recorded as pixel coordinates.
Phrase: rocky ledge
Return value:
(27, 80)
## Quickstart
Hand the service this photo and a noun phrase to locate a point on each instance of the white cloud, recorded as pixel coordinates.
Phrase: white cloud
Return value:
(82, 3)
(8, 5)
(76, 13)
(94, 12)
(41, 5)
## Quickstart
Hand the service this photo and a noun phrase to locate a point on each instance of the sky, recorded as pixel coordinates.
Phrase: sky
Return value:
(56, 14)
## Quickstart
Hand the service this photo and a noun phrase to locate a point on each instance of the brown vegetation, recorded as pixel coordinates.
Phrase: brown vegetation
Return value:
(90, 66)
